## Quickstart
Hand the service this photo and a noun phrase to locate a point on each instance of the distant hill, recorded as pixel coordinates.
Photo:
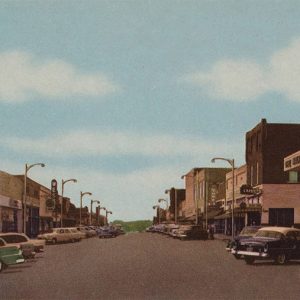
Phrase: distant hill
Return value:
(131, 226)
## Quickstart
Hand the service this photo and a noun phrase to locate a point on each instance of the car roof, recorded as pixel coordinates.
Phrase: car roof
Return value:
(10, 233)
(283, 230)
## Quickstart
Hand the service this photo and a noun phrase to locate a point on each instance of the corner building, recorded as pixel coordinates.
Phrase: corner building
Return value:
(267, 144)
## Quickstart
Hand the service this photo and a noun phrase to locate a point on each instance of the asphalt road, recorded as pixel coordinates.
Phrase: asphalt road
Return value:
(147, 266)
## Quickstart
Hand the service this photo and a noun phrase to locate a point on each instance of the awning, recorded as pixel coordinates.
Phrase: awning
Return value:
(212, 214)
(228, 215)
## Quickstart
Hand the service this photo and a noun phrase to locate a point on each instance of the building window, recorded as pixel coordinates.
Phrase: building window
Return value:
(293, 177)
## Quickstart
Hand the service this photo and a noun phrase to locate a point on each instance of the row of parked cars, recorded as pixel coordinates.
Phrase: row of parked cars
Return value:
(16, 247)
(280, 244)
(76, 234)
(182, 232)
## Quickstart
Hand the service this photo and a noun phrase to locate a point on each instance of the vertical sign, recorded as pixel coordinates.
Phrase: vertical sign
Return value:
(54, 192)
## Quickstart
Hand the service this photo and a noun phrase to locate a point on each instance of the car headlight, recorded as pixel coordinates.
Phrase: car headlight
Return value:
(20, 252)
(266, 248)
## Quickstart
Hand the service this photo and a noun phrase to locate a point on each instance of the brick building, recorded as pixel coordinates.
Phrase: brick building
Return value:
(267, 144)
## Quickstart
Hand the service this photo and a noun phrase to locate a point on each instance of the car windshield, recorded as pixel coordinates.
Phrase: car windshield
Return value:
(269, 234)
(249, 231)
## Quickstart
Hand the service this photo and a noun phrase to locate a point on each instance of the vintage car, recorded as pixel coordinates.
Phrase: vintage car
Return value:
(28, 246)
(87, 231)
(77, 235)
(280, 244)
(106, 233)
(247, 232)
(9, 255)
(192, 232)
(58, 235)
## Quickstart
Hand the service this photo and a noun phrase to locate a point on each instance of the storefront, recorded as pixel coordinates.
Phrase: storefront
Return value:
(10, 214)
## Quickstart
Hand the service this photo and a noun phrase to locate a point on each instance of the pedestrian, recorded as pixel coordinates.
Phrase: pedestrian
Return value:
(211, 232)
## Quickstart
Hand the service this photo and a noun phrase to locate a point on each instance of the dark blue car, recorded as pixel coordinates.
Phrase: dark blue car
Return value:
(247, 232)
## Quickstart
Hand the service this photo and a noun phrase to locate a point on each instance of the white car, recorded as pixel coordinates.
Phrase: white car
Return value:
(28, 246)
(58, 235)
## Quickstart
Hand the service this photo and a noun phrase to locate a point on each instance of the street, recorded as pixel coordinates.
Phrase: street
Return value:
(146, 266)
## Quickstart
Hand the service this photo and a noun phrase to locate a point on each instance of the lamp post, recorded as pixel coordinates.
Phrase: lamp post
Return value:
(63, 182)
(92, 201)
(99, 221)
(81, 195)
(107, 212)
(157, 207)
(165, 200)
(231, 162)
(27, 168)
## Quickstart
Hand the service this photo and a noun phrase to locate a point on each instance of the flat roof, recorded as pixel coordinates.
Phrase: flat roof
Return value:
(283, 230)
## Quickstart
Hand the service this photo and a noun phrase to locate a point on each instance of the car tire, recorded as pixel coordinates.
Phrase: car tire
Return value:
(237, 256)
(249, 260)
(1, 266)
(281, 259)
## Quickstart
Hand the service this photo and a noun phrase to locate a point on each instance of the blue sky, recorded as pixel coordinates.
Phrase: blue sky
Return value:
(126, 96)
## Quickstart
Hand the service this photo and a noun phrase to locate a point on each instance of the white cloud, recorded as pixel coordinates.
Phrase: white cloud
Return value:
(23, 77)
(246, 80)
(112, 143)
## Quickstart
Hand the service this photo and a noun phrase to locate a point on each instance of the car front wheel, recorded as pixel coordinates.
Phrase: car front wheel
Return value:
(249, 260)
(281, 259)
(237, 256)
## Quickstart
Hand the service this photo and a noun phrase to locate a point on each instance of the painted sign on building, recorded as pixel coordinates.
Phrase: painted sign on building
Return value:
(292, 162)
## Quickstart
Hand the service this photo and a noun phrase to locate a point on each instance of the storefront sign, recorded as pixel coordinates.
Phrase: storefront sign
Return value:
(292, 162)
(248, 190)
(9, 202)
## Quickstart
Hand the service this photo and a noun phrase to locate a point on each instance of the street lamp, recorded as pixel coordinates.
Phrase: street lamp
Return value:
(81, 195)
(157, 207)
(231, 162)
(107, 212)
(62, 196)
(27, 168)
(99, 221)
(92, 201)
(165, 200)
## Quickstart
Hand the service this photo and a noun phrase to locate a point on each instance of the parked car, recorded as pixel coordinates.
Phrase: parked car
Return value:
(106, 233)
(87, 231)
(192, 232)
(57, 235)
(171, 228)
(77, 235)
(9, 255)
(280, 244)
(28, 246)
(150, 229)
(247, 232)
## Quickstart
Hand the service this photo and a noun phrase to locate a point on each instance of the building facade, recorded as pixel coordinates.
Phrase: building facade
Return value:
(11, 210)
(267, 145)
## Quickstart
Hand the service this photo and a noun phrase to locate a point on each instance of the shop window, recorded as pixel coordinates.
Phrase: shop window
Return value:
(293, 177)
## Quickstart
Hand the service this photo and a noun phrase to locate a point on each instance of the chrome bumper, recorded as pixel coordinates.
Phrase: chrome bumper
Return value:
(250, 253)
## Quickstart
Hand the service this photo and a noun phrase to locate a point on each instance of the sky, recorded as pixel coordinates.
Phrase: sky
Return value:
(127, 96)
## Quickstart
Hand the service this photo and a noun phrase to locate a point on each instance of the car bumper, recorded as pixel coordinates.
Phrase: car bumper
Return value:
(182, 235)
(228, 249)
(20, 260)
(39, 249)
(250, 253)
